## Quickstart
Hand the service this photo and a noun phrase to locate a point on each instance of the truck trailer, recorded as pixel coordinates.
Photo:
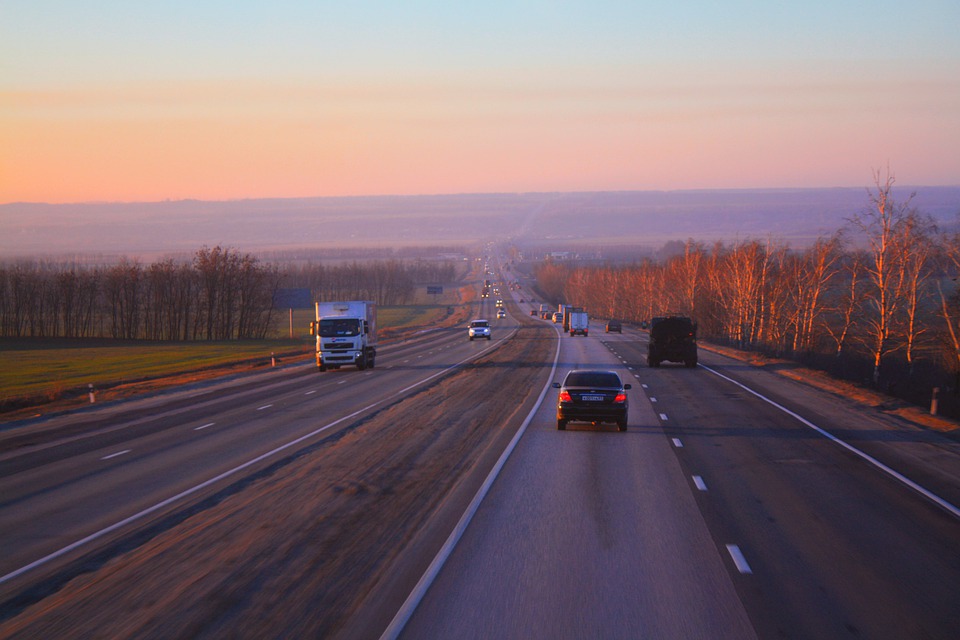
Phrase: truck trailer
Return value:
(346, 334)
(579, 323)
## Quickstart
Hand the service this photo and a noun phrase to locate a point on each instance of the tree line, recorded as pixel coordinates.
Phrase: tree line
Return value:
(876, 300)
(220, 294)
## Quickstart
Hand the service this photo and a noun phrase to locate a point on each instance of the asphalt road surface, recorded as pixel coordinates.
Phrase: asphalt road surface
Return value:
(737, 504)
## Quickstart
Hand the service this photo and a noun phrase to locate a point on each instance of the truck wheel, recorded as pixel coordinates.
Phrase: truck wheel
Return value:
(321, 368)
(622, 425)
(488, 337)
(362, 363)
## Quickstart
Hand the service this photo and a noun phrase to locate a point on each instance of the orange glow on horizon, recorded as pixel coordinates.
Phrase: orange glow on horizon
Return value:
(225, 142)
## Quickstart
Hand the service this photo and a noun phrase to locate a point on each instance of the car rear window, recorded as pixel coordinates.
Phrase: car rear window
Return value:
(479, 323)
(592, 379)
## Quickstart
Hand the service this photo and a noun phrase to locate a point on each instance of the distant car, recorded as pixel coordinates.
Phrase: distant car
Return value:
(499, 302)
(501, 313)
(591, 395)
(479, 329)
(533, 312)
(614, 325)
(557, 316)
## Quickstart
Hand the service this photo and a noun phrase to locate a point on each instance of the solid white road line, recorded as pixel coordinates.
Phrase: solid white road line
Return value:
(410, 605)
(203, 426)
(953, 509)
(116, 455)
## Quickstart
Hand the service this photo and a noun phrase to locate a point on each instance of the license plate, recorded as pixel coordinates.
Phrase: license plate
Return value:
(589, 398)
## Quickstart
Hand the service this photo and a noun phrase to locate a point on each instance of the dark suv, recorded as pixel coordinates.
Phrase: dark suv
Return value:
(672, 338)
(588, 395)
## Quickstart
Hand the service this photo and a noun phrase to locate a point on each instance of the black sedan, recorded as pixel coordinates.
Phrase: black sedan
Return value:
(589, 395)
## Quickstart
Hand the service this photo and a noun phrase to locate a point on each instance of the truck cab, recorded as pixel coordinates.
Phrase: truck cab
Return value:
(346, 334)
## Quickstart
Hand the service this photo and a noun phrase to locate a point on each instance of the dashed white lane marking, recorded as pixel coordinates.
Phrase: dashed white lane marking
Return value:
(266, 406)
(342, 382)
(652, 399)
(742, 565)
(663, 416)
(309, 392)
(117, 454)
(644, 386)
(203, 426)
(699, 483)
(677, 443)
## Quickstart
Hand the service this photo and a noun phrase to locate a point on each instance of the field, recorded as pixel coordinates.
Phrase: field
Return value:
(38, 371)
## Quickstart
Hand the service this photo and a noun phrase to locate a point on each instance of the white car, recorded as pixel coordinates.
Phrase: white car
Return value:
(501, 313)
(479, 329)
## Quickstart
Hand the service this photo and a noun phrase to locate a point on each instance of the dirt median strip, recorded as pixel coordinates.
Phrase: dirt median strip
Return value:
(295, 552)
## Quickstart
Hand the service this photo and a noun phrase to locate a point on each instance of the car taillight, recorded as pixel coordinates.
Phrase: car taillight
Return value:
(621, 397)
(565, 396)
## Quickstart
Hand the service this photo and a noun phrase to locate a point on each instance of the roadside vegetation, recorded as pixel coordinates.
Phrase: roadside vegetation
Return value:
(40, 368)
(876, 302)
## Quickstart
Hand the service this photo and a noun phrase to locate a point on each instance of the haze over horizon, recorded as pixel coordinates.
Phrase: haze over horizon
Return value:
(215, 101)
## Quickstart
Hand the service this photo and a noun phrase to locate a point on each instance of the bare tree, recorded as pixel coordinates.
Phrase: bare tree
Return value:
(881, 225)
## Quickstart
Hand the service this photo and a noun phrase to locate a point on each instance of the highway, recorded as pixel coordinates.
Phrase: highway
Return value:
(136, 462)
(738, 503)
(719, 514)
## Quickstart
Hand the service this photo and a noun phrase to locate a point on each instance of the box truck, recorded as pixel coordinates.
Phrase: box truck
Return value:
(346, 334)
(579, 323)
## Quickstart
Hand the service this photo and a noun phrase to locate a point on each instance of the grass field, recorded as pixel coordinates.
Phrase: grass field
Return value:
(33, 370)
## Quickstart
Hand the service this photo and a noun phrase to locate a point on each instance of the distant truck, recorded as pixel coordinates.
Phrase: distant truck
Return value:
(579, 323)
(673, 339)
(346, 334)
(568, 309)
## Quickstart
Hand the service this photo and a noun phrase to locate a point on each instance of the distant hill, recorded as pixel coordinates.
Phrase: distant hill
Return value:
(643, 218)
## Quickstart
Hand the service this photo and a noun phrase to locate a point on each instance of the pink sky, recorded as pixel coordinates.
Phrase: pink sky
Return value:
(122, 102)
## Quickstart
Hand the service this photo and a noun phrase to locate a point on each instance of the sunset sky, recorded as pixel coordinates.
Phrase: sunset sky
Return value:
(112, 100)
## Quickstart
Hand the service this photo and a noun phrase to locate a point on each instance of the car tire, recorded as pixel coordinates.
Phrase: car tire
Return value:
(488, 337)
(561, 425)
(622, 425)
(471, 338)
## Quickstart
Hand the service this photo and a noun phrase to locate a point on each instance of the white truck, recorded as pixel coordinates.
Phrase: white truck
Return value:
(579, 322)
(346, 334)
